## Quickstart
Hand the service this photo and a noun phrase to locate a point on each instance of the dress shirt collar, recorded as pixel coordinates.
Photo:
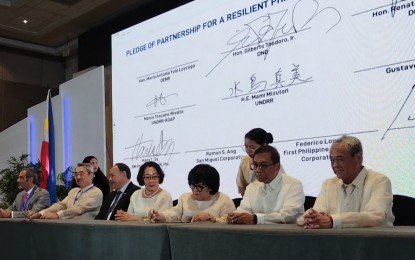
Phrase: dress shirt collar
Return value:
(123, 188)
(86, 188)
(359, 181)
(274, 184)
(29, 191)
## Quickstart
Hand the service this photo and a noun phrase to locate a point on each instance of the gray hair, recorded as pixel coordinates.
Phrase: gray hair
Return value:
(88, 167)
(352, 145)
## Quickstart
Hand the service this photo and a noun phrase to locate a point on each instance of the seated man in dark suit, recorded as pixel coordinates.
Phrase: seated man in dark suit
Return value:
(32, 198)
(119, 198)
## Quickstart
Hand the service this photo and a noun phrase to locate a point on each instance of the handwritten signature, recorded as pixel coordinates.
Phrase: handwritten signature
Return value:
(160, 100)
(259, 86)
(149, 148)
(270, 26)
(411, 93)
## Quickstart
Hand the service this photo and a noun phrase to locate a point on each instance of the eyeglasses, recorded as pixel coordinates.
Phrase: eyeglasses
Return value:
(153, 177)
(80, 174)
(249, 148)
(197, 187)
(263, 166)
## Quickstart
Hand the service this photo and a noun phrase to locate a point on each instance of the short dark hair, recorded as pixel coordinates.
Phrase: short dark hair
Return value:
(124, 168)
(31, 173)
(259, 136)
(206, 174)
(140, 175)
(275, 156)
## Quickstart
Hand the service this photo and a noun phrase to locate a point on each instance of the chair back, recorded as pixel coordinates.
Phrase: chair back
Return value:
(309, 202)
(175, 202)
(237, 202)
(404, 210)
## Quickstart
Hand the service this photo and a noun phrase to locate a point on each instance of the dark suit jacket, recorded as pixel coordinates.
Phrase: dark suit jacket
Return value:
(123, 202)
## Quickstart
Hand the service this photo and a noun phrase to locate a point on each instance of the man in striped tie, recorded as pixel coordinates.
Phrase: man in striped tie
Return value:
(119, 198)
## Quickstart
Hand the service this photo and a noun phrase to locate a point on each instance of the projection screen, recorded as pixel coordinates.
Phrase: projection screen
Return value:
(188, 85)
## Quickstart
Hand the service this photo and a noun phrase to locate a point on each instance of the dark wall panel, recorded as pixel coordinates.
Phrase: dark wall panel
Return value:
(95, 45)
(16, 98)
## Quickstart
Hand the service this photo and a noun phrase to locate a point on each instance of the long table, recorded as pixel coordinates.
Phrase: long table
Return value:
(77, 239)
(254, 242)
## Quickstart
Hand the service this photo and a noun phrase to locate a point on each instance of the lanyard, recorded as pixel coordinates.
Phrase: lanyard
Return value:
(80, 193)
(25, 203)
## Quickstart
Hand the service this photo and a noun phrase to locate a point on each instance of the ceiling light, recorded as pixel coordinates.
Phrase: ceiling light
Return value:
(25, 21)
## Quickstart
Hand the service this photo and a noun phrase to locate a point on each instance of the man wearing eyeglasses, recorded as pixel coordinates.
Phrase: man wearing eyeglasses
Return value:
(119, 198)
(274, 197)
(82, 202)
(356, 197)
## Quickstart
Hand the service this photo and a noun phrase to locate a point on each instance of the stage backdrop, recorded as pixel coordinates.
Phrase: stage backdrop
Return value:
(188, 85)
(13, 142)
(79, 115)
(83, 113)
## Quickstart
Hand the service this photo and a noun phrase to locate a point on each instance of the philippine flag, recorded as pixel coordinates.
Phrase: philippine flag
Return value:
(47, 154)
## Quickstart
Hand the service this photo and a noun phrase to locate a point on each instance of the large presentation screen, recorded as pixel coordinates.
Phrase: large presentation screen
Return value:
(188, 85)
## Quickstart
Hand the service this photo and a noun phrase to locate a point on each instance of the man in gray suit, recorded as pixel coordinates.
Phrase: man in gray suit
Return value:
(31, 199)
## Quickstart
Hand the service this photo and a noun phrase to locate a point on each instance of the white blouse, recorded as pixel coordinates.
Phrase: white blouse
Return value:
(140, 205)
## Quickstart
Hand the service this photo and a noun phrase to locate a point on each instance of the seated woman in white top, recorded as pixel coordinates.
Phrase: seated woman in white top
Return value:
(204, 203)
(150, 175)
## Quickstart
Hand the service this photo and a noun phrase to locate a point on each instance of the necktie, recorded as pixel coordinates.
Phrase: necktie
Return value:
(114, 203)
(25, 199)
(26, 195)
